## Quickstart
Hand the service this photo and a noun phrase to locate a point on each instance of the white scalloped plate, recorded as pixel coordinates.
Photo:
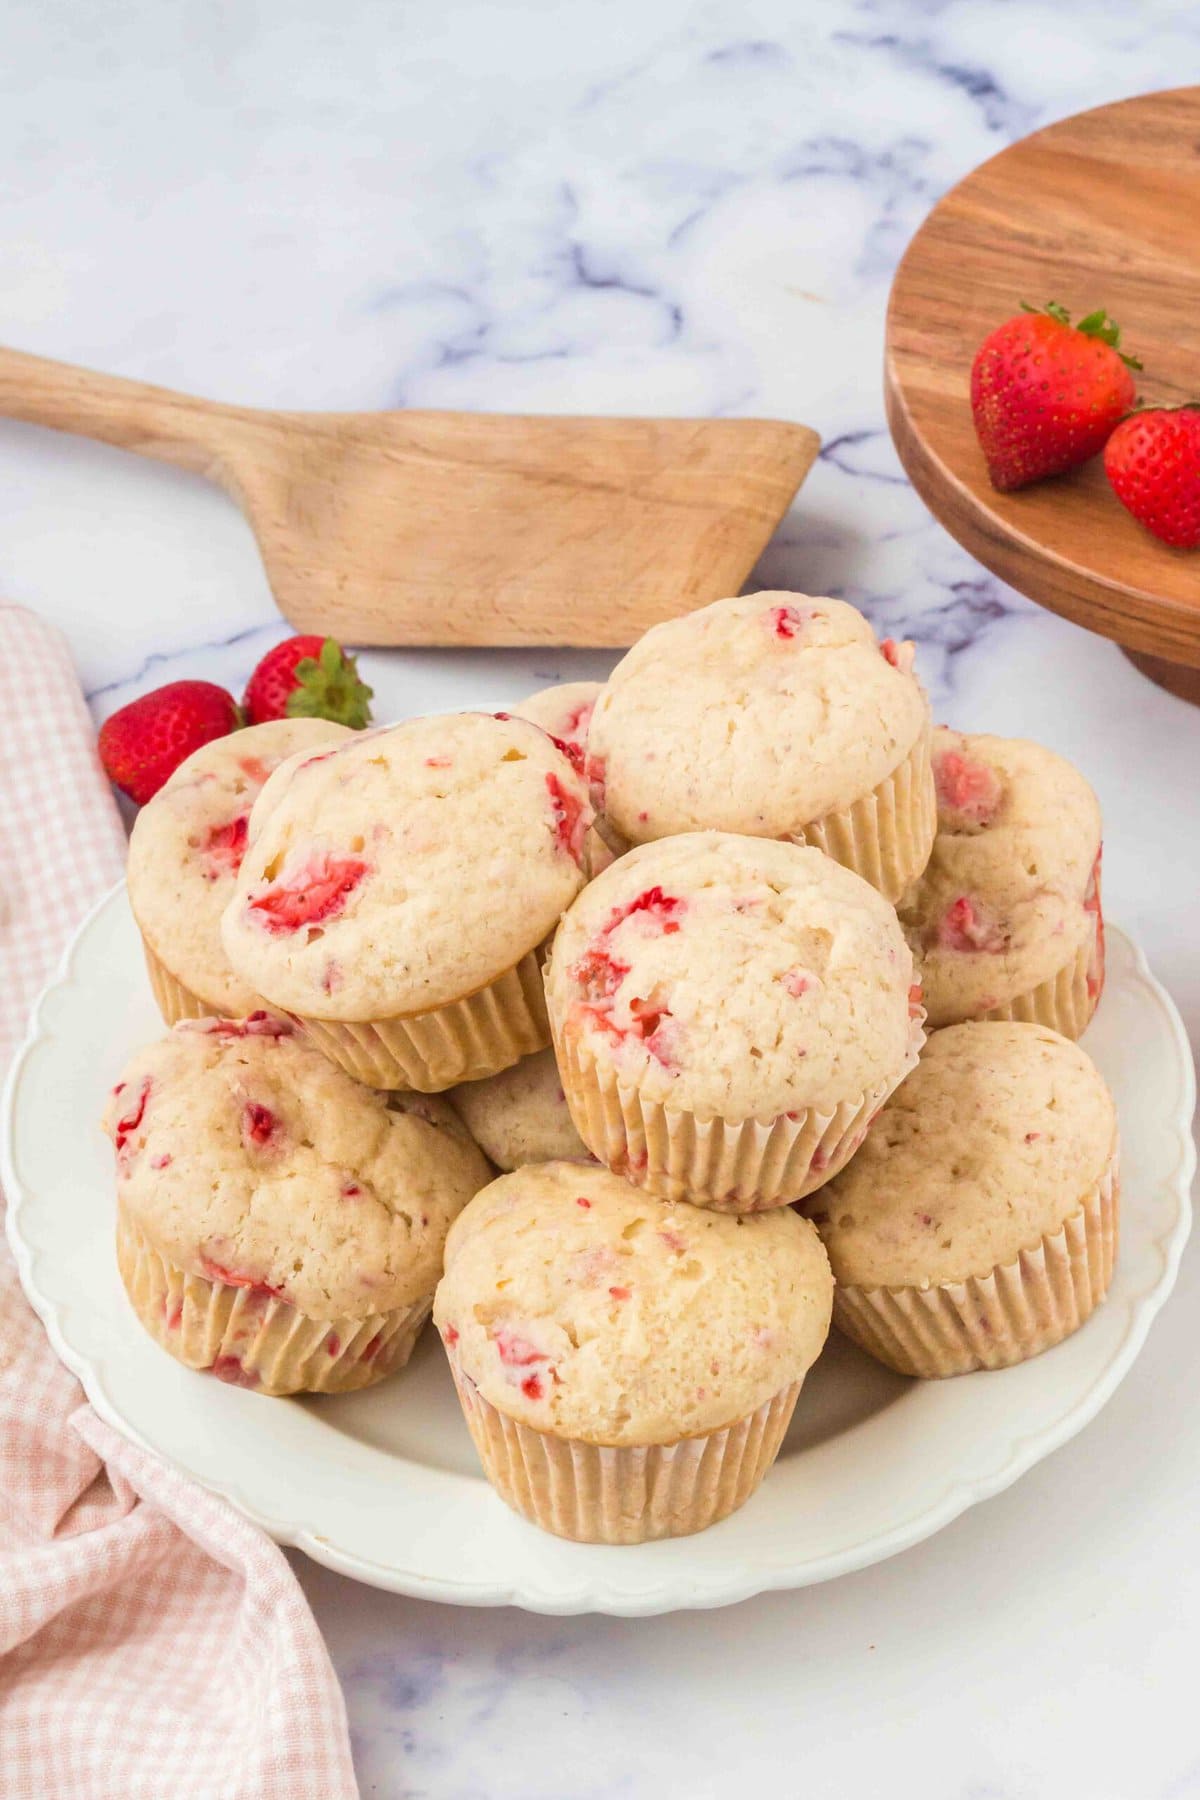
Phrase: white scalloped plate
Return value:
(384, 1486)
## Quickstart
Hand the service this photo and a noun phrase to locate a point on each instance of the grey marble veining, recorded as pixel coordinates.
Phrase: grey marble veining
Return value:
(664, 207)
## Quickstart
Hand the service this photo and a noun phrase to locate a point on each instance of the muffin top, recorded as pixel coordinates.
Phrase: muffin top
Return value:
(734, 977)
(187, 846)
(407, 868)
(582, 1307)
(249, 1158)
(994, 1140)
(565, 711)
(520, 1116)
(757, 715)
(1010, 894)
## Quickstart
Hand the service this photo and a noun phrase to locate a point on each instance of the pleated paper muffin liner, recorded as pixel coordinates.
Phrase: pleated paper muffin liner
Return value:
(175, 1001)
(463, 1041)
(248, 1337)
(1001, 1318)
(605, 1494)
(741, 1166)
(887, 836)
(1065, 1001)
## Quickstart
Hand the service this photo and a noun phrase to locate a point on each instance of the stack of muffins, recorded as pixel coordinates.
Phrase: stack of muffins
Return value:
(668, 948)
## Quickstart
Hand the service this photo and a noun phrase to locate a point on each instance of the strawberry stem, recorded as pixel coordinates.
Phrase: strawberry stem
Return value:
(328, 687)
(1094, 325)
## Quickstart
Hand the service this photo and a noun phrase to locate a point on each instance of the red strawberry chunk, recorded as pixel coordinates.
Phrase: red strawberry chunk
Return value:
(797, 982)
(786, 622)
(317, 892)
(516, 1352)
(224, 848)
(215, 1271)
(575, 725)
(967, 787)
(258, 1024)
(586, 1204)
(962, 927)
(570, 821)
(231, 1370)
(620, 1293)
(572, 751)
(450, 1335)
(532, 1388)
(333, 1344)
(258, 1123)
(131, 1120)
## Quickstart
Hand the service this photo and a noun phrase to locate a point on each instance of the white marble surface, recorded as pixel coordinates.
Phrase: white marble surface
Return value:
(640, 207)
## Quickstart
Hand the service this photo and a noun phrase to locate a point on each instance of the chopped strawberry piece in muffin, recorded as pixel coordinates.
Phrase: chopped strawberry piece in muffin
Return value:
(224, 847)
(621, 1293)
(901, 656)
(532, 1388)
(570, 820)
(215, 1271)
(258, 1123)
(257, 1025)
(131, 1120)
(797, 982)
(662, 909)
(963, 927)
(514, 1351)
(967, 788)
(316, 892)
(786, 622)
(450, 1336)
(571, 750)
(230, 1370)
(577, 721)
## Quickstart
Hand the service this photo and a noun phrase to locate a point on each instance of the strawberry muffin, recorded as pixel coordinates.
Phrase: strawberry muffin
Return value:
(565, 712)
(396, 893)
(627, 1367)
(728, 1013)
(1006, 920)
(184, 855)
(777, 716)
(978, 1224)
(277, 1224)
(521, 1115)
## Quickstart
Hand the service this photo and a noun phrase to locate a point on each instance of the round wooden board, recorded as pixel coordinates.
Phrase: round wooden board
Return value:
(1100, 210)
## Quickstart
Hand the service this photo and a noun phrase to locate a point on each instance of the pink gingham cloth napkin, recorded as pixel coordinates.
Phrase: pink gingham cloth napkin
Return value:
(153, 1644)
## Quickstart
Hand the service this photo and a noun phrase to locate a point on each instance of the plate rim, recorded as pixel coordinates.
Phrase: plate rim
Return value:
(723, 1587)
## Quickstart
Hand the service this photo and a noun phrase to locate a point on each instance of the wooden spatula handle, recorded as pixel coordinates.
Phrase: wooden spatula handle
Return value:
(133, 415)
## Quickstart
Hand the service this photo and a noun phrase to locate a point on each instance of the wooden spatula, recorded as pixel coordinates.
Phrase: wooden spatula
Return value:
(459, 528)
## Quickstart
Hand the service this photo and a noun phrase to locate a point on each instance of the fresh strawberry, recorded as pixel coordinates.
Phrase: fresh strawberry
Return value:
(1046, 394)
(308, 678)
(1152, 460)
(143, 744)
